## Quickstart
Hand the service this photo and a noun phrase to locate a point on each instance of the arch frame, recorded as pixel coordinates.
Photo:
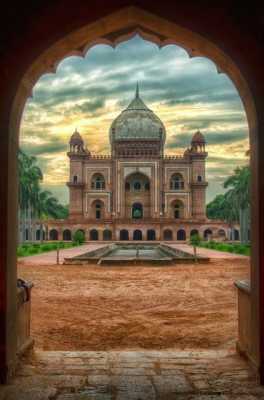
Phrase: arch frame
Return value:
(104, 31)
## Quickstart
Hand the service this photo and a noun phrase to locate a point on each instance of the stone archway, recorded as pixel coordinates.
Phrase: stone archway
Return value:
(167, 234)
(53, 234)
(124, 235)
(111, 30)
(94, 234)
(181, 234)
(207, 233)
(151, 234)
(66, 234)
(107, 234)
(137, 234)
(137, 196)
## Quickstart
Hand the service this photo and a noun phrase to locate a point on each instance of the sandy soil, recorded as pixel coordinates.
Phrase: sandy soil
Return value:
(102, 308)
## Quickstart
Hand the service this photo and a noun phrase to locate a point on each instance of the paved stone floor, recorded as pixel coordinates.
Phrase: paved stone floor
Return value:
(133, 375)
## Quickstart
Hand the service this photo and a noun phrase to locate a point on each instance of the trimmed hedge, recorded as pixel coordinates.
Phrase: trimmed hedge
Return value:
(29, 249)
(236, 248)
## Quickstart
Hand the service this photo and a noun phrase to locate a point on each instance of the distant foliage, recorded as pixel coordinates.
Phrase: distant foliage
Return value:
(222, 208)
(227, 206)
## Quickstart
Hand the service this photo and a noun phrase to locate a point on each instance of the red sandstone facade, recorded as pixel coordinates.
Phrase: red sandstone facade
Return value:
(137, 192)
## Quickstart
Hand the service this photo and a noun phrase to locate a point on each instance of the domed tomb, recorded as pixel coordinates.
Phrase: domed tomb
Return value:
(137, 129)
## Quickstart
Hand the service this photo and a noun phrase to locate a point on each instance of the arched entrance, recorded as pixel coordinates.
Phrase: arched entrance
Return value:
(47, 55)
(137, 235)
(137, 196)
(66, 235)
(207, 234)
(181, 235)
(123, 235)
(53, 234)
(168, 234)
(107, 234)
(236, 234)
(94, 234)
(151, 234)
(38, 234)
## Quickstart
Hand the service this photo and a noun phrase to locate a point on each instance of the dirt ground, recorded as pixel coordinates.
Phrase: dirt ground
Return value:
(103, 308)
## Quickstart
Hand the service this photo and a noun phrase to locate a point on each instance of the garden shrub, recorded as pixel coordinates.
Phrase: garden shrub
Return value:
(27, 249)
(78, 237)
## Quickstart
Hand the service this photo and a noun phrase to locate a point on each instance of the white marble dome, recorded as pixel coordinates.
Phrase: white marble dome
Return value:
(137, 122)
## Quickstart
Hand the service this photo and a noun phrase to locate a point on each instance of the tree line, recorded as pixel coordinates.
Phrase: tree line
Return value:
(234, 205)
(35, 204)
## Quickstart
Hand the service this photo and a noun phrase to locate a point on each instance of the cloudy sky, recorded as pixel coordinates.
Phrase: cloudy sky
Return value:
(87, 94)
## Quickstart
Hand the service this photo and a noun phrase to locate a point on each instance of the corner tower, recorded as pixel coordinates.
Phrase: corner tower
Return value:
(76, 155)
(198, 156)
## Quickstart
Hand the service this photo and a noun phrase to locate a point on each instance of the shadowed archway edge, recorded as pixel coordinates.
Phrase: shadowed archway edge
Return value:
(11, 110)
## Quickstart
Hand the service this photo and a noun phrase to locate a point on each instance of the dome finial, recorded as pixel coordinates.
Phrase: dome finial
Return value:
(137, 91)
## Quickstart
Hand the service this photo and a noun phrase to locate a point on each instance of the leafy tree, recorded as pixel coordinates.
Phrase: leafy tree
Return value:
(222, 207)
(78, 237)
(195, 240)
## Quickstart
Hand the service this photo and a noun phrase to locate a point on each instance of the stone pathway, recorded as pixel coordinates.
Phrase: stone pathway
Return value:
(206, 252)
(133, 375)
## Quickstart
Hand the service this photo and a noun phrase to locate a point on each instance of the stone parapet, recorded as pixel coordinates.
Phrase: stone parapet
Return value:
(244, 318)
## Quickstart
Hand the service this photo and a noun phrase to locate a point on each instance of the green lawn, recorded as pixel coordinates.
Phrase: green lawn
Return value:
(236, 248)
(29, 249)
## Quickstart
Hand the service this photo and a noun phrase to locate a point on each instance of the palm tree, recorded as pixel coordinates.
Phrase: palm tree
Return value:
(41, 208)
(34, 203)
(29, 177)
(239, 196)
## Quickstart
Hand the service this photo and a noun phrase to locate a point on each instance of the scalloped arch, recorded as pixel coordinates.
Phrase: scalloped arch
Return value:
(83, 51)
(121, 26)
